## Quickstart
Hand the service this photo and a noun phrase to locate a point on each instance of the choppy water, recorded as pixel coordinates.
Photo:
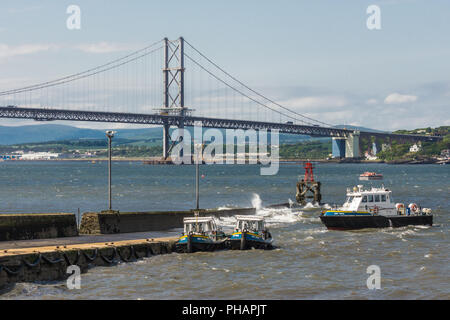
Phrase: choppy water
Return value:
(311, 262)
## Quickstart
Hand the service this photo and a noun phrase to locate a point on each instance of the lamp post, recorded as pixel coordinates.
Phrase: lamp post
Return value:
(198, 149)
(109, 135)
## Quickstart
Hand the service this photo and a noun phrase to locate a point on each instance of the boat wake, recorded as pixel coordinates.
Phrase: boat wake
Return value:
(272, 216)
(311, 206)
(279, 216)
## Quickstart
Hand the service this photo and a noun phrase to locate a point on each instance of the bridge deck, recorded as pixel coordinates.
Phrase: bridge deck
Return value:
(40, 114)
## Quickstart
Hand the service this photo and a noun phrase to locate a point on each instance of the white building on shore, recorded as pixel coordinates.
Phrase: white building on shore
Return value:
(415, 148)
(39, 156)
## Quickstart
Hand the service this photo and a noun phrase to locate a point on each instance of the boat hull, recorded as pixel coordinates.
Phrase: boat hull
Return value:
(348, 222)
(251, 241)
(370, 178)
(195, 243)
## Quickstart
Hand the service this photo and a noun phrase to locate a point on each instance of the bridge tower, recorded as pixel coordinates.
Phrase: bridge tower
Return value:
(173, 78)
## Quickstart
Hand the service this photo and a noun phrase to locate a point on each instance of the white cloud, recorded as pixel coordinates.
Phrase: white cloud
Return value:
(21, 10)
(218, 99)
(7, 51)
(397, 98)
(316, 102)
(104, 47)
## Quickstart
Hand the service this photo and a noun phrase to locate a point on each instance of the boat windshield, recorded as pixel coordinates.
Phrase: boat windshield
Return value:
(250, 225)
(200, 227)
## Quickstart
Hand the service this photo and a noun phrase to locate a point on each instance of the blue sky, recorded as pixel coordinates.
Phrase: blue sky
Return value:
(317, 57)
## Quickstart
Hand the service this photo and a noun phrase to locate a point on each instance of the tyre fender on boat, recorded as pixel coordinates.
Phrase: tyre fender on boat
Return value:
(243, 240)
(189, 243)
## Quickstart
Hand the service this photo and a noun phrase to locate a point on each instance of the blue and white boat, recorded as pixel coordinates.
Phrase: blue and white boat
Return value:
(200, 234)
(250, 232)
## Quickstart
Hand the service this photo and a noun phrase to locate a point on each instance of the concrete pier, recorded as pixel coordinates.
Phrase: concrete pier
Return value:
(106, 238)
(49, 263)
(110, 222)
(37, 226)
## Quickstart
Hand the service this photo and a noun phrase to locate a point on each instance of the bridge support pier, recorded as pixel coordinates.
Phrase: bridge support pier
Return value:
(352, 145)
(338, 147)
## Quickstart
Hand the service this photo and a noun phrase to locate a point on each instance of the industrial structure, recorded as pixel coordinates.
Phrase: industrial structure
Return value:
(308, 188)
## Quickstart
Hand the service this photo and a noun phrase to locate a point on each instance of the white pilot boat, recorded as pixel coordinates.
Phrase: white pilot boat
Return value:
(374, 208)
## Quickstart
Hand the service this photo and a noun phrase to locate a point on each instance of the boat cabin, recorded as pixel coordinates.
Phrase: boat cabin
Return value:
(250, 223)
(204, 225)
(359, 199)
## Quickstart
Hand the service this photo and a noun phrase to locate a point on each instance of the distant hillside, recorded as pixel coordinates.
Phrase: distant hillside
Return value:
(344, 126)
(439, 131)
(55, 132)
(43, 133)
(147, 136)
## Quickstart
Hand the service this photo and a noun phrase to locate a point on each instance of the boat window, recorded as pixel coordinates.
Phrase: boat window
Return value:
(370, 198)
(383, 198)
(377, 198)
(349, 199)
(188, 227)
(364, 199)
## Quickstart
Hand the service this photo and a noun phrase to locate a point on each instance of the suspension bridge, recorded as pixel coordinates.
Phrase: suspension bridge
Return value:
(191, 88)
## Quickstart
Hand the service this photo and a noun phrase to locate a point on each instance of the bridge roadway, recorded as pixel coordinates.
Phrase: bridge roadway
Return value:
(41, 114)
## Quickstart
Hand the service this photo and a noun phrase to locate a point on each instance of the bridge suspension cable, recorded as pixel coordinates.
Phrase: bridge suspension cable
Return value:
(235, 89)
(93, 71)
(250, 89)
(139, 86)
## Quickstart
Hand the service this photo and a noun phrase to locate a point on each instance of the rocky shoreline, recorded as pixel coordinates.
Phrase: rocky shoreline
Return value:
(400, 161)
(419, 161)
